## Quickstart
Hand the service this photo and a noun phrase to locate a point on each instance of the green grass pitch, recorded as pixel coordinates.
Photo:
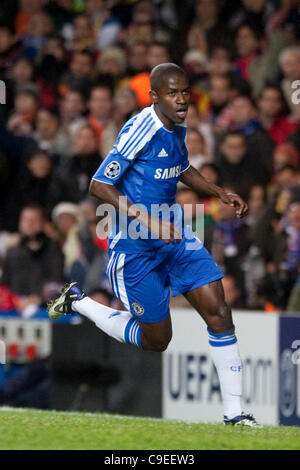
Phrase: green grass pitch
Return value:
(22, 429)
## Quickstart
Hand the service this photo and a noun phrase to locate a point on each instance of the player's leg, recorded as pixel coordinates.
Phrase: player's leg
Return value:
(201, 284)
(125, 327)
(156, 336)
(117, 324)
(208, 300)
(145, 294)
(141, 283)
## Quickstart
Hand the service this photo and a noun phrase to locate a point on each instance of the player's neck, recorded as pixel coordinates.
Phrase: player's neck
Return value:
(168, 124)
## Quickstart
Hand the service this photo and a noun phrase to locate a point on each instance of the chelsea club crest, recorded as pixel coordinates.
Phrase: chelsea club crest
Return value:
(137, 308)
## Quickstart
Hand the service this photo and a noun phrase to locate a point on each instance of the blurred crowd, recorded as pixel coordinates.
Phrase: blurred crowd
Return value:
(76, 70)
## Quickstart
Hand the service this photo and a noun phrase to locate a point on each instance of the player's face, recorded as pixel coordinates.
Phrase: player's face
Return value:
(172, 100)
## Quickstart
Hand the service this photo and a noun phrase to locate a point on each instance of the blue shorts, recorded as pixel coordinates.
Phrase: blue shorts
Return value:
(142, 281)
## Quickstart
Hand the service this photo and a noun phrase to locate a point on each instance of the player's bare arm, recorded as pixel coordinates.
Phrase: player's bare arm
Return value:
(163, 229)
(193, 178)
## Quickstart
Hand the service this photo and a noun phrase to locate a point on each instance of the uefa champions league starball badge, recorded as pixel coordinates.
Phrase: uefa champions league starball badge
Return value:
(112, 170)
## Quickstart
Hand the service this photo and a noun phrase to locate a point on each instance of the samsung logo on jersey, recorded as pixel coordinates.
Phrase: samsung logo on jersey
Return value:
(166, 173)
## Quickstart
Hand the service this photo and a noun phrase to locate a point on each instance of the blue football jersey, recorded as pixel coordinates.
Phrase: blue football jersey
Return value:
(145, 165)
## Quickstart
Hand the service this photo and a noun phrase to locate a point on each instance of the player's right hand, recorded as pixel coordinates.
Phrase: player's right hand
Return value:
(165, 230)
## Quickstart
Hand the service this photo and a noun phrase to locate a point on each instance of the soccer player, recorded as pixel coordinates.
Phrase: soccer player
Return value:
(143, 168)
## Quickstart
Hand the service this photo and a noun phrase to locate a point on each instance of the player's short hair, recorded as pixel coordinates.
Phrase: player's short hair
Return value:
(162, 71)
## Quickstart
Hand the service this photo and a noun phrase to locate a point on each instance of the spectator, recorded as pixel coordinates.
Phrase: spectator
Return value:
(35, 254)
(285, 154)
(90, 266)
(289, 61)
(247, 42)
(208, 31)
(4, 181)
(196, 146)
(287, 177)
(221, 94)
(191, 204)
(112, 64)
(124, 106)
(272, 114)
(232, 292)
(22, 118)
(195, 62)
(9, 49)
(80, 75)
(100, 107)
(72, 108)
(51, 66)
(73, 177)
(211, 172)
(105, 25)
(39, 27)
(61, 13)
(264, 68)
(230, 241)
(22, 73)
(237, 165)
(220, 61)
(82, 36)
(258, 13)
(65, 217)
(142, 25)
(283, 256)
(244, 119)
(48, 134)
(24, 14)
(32, 184)
(137, 58)
(291, 18)
(256, 201)
(196, 120)
(140, 83)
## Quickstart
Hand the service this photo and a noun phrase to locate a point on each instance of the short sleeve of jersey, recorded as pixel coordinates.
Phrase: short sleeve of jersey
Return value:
(182, 141)
(112, 168)
(131, 142)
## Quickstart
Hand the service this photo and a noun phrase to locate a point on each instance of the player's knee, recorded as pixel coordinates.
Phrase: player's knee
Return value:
(159, 344)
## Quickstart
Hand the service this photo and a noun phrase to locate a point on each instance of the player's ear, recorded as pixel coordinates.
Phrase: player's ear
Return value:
(153, 96)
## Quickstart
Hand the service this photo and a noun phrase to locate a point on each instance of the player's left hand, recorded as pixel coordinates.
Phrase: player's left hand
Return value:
(236, 201)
